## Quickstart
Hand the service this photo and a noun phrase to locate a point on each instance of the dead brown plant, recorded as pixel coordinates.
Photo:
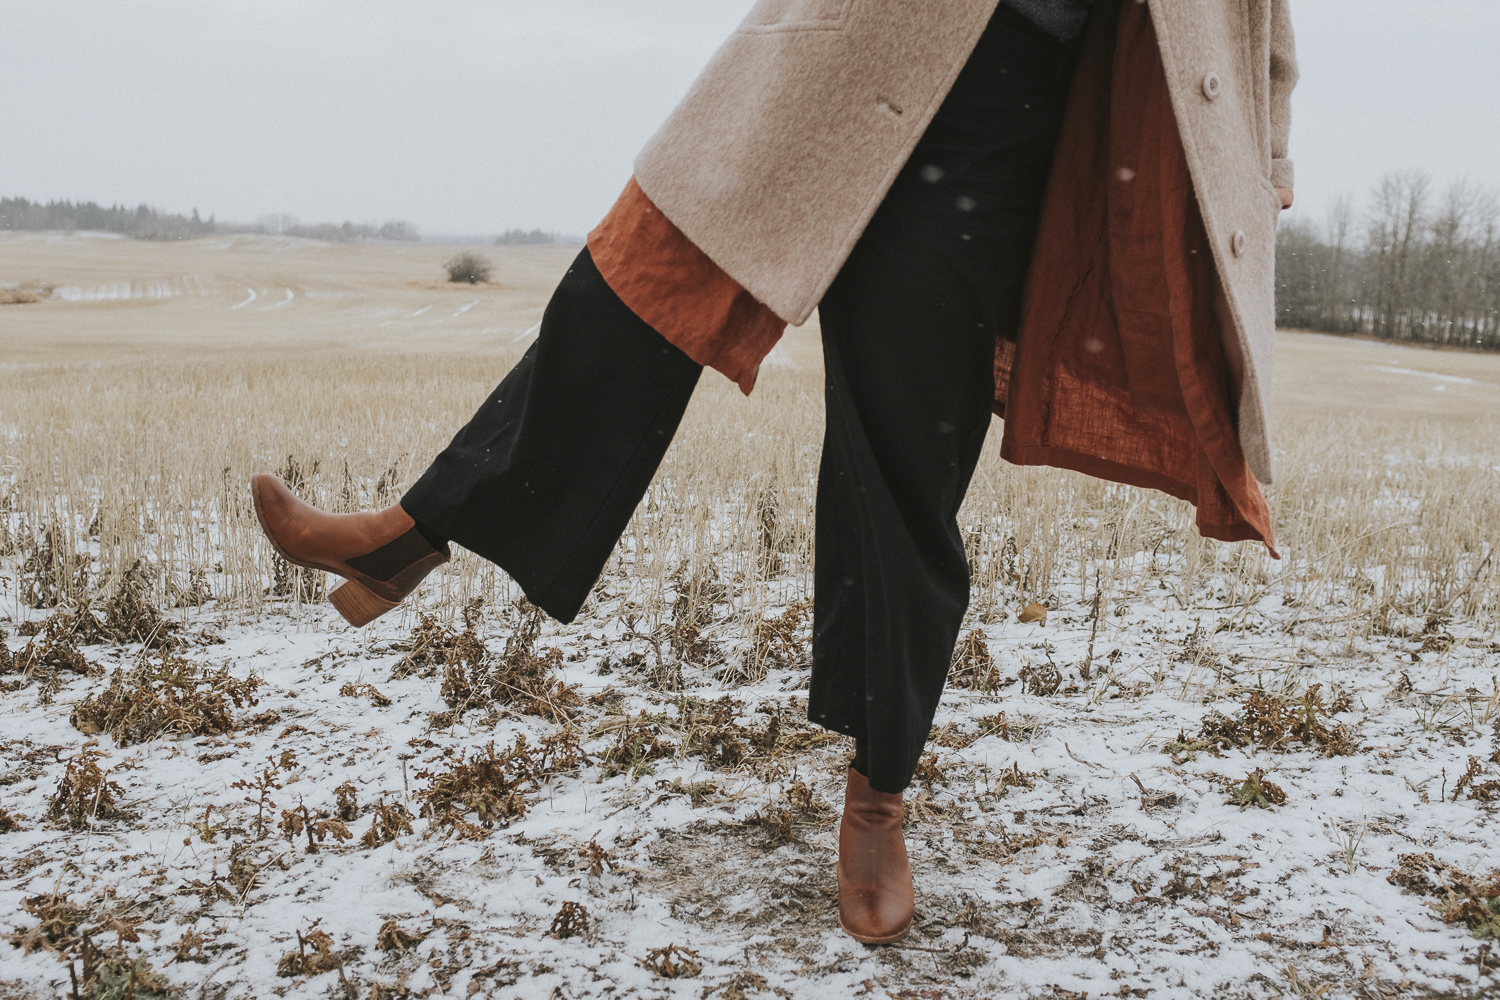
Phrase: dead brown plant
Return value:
(346, 801)
(973, 667)
(1013, 777)
(244, 871)
(712, 732)
(393, 937)
(572, 920)
(262, 785)
(799, 805)
(85, 793)
(57, 923)
(116, 976)
(353, 690)
(1042, 679)
(188, 948)
(96, 973)
(434, 646)
(492, 787)
(1474, 770)
(673, 962)
(776, 823)
(51, 652)
(1258, 791)
(1460, 898)
(929, 772)
(391, 821)
(318, 827)
(52, 573)
(520, 677)
(1018, 729)
(782, 642)
(314, 955)
(171, 697)
(598, 857)
(130, 616)
(1485, 791)
(637, 745)
(740, 986)
(1274, 722)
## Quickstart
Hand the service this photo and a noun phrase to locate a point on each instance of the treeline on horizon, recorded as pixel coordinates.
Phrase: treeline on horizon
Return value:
(1414, 264)
(146, 223)
(142, 222)
(526, 237)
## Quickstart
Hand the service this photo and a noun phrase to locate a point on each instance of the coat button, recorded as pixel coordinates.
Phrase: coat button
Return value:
(1237, 243)
(1212, 86)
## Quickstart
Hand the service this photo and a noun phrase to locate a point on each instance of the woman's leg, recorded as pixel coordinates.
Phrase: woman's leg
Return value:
(909, 330)
(544, 478)
(909, 388)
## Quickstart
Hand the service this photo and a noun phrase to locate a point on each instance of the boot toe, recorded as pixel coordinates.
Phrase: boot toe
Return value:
(284, 519)
(875, 917)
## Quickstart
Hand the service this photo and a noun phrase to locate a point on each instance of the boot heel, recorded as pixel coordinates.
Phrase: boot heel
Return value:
(357, 604)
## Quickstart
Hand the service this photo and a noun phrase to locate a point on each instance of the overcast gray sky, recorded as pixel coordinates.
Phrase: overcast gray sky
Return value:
(473, 116)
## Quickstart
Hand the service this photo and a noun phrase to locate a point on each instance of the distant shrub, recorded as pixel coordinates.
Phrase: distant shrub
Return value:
(469, 267)
(18, 296)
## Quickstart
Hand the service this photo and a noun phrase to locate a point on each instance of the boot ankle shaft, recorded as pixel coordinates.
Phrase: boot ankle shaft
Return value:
(875, 812)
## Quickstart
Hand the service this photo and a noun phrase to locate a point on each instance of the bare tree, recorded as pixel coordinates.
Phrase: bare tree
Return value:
(1427, 269)
(1339, 313)
(1396, 224)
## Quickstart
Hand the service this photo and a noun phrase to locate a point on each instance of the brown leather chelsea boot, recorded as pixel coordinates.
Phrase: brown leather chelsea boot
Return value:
(875, 889)
(381, 555)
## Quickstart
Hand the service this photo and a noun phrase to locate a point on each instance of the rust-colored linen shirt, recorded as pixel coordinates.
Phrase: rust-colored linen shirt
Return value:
(1118, 369)
(684, 296)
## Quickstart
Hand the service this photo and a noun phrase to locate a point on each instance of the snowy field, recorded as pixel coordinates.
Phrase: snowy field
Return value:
(1072, 842)
(1202, 774)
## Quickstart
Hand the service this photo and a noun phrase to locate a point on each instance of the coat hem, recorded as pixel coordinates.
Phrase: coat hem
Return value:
(1103, 468)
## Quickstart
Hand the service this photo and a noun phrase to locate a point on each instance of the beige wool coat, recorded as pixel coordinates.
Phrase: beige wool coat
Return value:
(782, 150)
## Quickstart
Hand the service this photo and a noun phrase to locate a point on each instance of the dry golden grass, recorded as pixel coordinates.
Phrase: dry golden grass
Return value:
(132, 426)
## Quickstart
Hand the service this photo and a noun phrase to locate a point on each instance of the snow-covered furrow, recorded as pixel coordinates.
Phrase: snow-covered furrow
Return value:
(116, 291)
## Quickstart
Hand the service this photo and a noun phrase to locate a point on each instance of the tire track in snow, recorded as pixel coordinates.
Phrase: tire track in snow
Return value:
(290, 295)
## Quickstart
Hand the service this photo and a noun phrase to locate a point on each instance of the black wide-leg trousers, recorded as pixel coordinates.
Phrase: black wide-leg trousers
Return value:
(545, 477)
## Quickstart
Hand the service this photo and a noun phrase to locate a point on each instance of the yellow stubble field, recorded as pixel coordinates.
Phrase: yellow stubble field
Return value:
(153, 378)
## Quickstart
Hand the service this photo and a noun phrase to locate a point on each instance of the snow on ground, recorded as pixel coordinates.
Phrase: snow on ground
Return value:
(160, 288)
(1058, 852)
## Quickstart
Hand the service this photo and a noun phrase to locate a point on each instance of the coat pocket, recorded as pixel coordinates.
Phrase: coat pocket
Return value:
(796, 15)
